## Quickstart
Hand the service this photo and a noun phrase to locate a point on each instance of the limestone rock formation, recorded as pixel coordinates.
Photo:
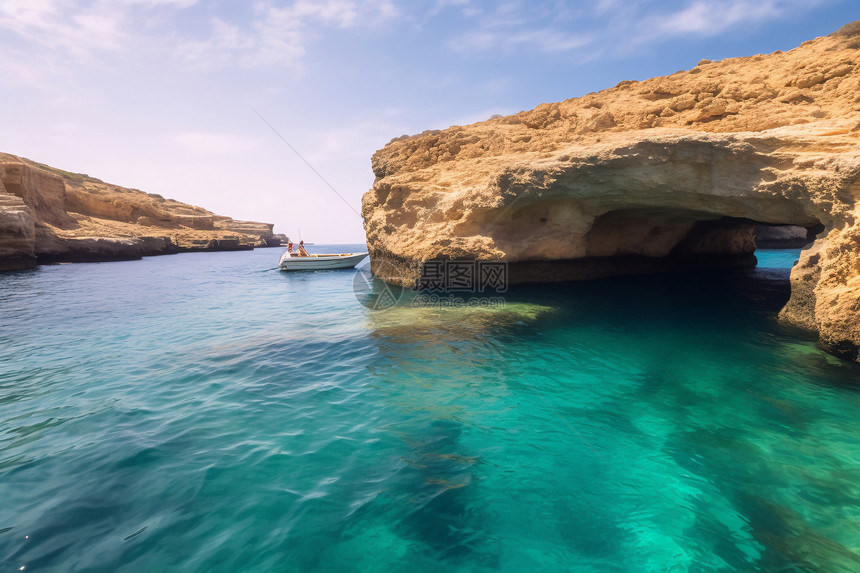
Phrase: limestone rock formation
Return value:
(50, 215)
(670, 172)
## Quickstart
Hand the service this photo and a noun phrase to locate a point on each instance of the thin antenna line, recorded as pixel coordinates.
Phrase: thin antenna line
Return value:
(318, 174)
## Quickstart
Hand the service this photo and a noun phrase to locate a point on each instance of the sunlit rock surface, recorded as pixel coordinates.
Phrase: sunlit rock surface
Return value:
(50, 215)
(667, 173)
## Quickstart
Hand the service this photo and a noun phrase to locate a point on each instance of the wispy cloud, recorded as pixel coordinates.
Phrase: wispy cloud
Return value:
(46, 23)
(607, 26)
(44, 40)
(713, 17)
(42, 37)
(62, 33)
(279, 34)
(513, 26)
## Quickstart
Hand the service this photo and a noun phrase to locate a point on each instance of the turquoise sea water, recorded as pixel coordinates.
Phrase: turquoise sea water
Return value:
(205, 412)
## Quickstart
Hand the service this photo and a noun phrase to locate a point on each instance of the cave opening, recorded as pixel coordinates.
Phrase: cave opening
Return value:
(675, 267)
(647, 240)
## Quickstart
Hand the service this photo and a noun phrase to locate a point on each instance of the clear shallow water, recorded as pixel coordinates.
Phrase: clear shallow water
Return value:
(204, 412)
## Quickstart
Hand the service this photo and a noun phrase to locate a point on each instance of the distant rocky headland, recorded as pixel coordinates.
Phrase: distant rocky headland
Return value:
(667, 173)
(48, 215)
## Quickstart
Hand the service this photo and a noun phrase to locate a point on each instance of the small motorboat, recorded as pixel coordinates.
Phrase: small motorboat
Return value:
(296, 262)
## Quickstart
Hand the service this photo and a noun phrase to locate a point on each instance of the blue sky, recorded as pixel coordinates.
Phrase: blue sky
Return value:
(160, 95)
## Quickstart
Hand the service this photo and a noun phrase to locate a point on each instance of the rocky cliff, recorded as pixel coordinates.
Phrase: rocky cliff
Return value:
(671, 172)
(50, 215)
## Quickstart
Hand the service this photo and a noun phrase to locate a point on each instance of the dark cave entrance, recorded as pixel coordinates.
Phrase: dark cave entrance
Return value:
(650, 240)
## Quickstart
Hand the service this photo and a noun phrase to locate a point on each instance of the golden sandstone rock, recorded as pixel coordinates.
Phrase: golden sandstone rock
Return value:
(670, 172)
(50, 215)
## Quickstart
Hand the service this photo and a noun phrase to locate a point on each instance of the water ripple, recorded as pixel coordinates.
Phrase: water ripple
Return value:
(197, 413)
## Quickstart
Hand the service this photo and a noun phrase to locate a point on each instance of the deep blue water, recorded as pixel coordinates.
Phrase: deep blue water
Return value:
(205, 412)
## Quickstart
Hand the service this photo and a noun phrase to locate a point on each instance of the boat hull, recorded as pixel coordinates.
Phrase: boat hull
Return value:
(320, 262)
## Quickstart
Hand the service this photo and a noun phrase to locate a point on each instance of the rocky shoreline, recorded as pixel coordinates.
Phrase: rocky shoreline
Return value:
(50, 216)
(648, 176)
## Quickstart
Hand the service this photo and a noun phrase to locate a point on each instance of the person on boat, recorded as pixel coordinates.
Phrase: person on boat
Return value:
(302, 251)
(290, 246)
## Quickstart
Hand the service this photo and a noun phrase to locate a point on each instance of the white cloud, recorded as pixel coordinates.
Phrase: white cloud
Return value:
(79, 27)
(270, 42)
(67, 34)
(279, 35)
(50, 24)
(715, 17)
(513, 26)
(712, 18)
(611, 26)
(338, 13)
(41, 40)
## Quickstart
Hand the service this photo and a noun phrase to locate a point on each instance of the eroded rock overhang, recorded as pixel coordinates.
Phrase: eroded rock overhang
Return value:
(647, 176)
(625, 205)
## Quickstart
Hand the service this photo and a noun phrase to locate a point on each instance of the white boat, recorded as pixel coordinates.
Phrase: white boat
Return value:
(294, 262)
